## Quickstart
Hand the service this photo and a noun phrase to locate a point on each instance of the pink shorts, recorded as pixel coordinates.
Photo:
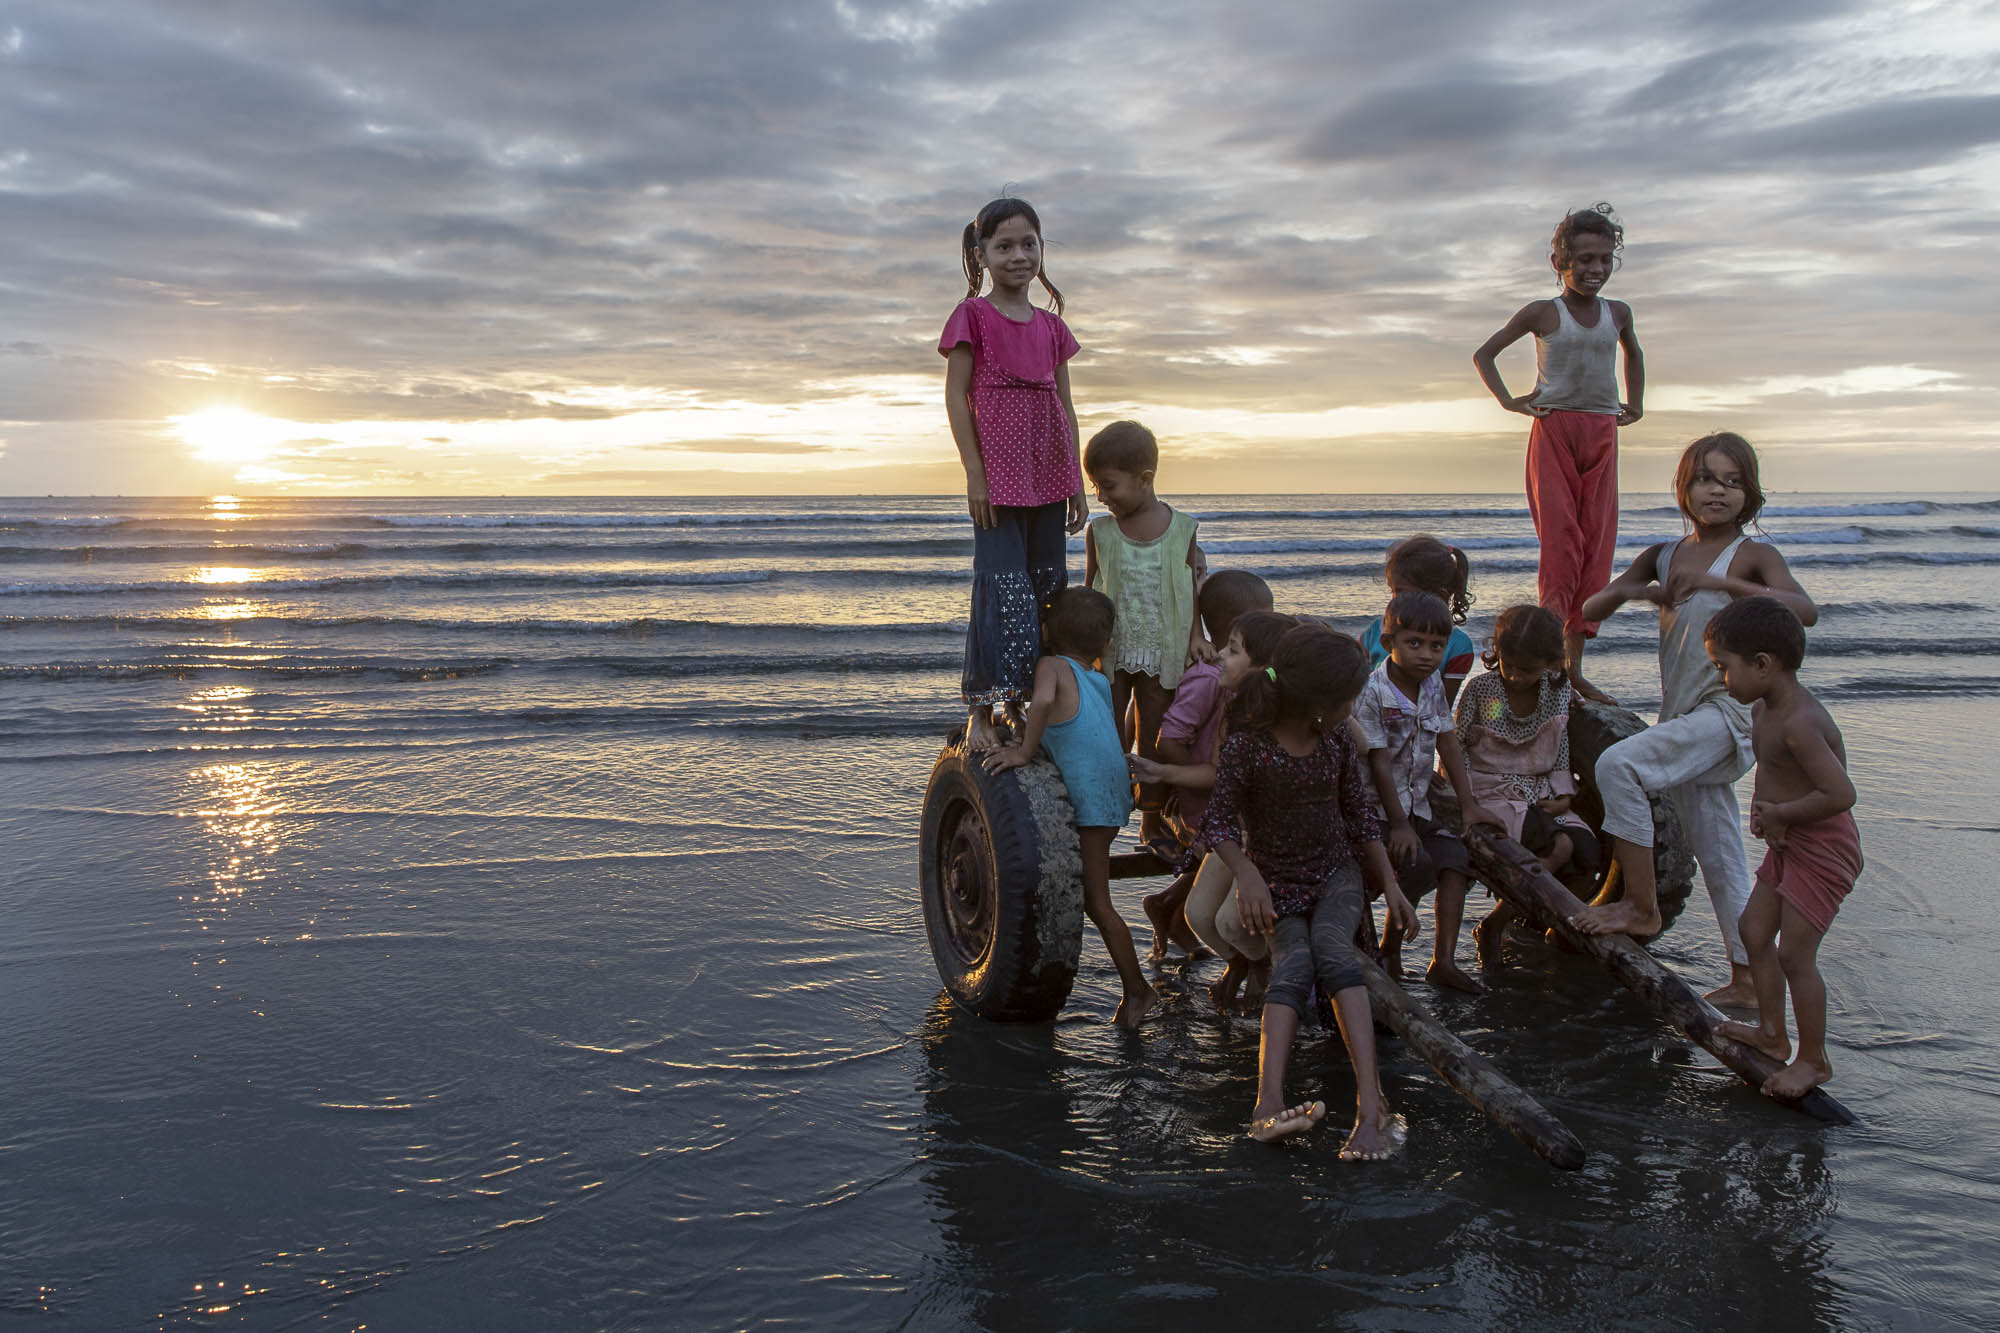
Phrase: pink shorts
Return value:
(1816, 867)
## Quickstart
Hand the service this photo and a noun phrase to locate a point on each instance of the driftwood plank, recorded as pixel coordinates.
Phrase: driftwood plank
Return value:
(1512, 871)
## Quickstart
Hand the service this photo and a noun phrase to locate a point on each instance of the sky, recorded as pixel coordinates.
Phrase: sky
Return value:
(644, 247)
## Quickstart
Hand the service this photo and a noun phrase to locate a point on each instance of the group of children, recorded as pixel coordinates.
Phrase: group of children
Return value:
(1286, 769)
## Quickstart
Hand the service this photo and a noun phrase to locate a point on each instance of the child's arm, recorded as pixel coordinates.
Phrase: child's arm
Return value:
(1199, 649)
(1040, 705)
(1253, 895)
(1832, 790)
(1079, 504)
(1767, 575)
(1639, 583)
(1193, 777)
(1375, 865)
(1401, 838)
(964, 433)
(1089, 558)
(1634, 405)
(1528, 319)
(1452, 755)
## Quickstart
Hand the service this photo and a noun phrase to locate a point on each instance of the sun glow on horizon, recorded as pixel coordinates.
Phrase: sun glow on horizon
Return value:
(229, 434)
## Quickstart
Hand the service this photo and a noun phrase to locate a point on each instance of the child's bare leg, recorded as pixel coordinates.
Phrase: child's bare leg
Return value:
(1121, 705)
(1573, 642)
(1150, 701)
(1376, 1133)
(1166, 911)
(1560, 850)
(1798, 955)
(1271, 1119)
(1097, 905)
(1486, 936)
(1450, 909)
(1638, 912)
(1759, 928)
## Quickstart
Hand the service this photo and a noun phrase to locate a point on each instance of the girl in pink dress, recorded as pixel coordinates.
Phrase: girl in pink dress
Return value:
(1007, 397)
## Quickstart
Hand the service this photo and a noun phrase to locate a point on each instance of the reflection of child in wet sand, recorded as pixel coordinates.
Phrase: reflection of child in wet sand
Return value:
(1514, 724)
(1407, 724)
(1142, 555)
(1701, 744)
(1210, 910)
(1573, 445)
(1289, 812)
(1069, 715)
(1800, 809)
(1188, 736)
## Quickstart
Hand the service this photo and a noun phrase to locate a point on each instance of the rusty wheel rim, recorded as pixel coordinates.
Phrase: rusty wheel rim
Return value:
(965, 880)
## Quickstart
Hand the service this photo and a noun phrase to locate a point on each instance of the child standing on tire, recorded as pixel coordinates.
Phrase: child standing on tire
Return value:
(1143, 556)
(1007, 397)
(1069, 715)
(1701, 744)
(1289, 815)
(1573, 445)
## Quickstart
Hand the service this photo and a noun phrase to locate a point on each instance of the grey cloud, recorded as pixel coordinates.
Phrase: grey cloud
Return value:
(1448, 113)
(1898, 134)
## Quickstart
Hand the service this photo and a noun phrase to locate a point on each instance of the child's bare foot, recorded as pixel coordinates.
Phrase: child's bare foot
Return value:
(1223, 993)
(1153, 828)
(1132, 1010)
(1589, 691)
(1375, 1140)
(1797, 1079)
(1254, 988)
(1778, 1048)
(1282, 1124)
(979, 733)
(1157, 915)
(1486, 944)
(1619, 918)
(1443, 972)
(1736, 995)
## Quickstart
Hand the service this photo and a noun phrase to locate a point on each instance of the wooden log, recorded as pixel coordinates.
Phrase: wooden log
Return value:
(1468, 1072)
(1513, 872)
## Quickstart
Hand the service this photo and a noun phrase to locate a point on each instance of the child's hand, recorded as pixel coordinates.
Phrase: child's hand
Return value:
(1402, 914)
(1767, 823)
(1253, 905)
(1144, 769)
(1479, 814)
(1403, 844)
(977, 503)
(1079, 514)
(1006, 757)
(1554, 805)
(1201, 650)
(1685, 583)
(1656, 593)
(1526, 406)
(1627, 414)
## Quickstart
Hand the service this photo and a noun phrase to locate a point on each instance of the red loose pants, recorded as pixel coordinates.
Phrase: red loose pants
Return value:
(1573, 497)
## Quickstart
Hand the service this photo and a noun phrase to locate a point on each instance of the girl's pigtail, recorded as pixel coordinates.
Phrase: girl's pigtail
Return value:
(1255, 706)
(1054, 295)
(975, 276)
(1461, 585)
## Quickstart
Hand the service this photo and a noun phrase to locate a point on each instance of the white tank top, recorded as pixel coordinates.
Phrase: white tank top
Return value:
(1575, 367)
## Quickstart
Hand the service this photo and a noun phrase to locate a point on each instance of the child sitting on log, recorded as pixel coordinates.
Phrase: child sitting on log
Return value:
(1513, 723)
(1289, 814)
(1188, 736)
(1069, 714)
(1800, 808)
(1406, 722)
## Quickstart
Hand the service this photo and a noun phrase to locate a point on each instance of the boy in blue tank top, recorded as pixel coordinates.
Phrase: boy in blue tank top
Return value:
(1069, 715)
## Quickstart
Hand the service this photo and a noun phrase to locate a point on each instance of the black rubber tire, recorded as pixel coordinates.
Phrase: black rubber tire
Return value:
(1002, 886)
(1593, 729)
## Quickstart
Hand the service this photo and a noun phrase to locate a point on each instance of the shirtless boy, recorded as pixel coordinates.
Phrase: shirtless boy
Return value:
(1800, 808)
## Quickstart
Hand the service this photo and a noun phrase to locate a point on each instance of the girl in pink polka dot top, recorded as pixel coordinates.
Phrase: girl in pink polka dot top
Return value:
(1007, 396)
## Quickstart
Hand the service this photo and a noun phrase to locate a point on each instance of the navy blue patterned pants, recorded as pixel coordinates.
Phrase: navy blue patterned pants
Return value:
(1018, 564)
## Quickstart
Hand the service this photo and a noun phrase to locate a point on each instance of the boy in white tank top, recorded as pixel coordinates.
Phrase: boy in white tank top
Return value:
(1573, 445)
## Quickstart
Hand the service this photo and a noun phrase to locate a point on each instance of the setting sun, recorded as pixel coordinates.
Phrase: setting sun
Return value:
(232, 435)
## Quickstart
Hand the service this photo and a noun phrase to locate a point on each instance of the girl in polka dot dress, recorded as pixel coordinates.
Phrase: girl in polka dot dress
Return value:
(1007, 396)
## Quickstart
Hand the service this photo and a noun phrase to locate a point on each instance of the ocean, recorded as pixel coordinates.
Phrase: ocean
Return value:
(502, 914)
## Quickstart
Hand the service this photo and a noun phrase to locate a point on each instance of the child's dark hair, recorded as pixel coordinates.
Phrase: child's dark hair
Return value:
(981, 229)
(1528, 633)
(1079, 621)
(1122, 446)
(1425, 562)
(1423, 612)
(1597, 220)
(1752, 625)
(1313, 670)
(1261, 631)
(1226, 596)
(1736, 449)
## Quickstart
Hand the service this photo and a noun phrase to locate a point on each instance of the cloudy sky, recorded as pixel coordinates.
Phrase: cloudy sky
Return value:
(657, 246)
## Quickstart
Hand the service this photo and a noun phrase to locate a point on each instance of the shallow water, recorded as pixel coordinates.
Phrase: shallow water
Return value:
(560, 995)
